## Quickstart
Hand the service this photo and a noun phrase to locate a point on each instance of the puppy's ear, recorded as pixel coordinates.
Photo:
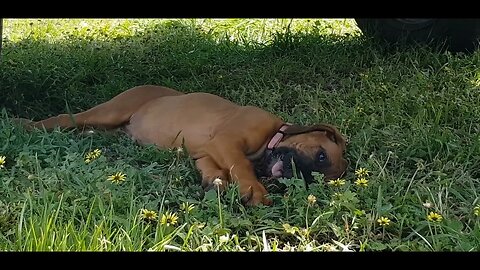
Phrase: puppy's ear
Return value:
(332, 132)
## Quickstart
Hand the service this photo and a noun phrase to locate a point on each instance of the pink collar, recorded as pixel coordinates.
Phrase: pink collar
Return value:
(278, 136)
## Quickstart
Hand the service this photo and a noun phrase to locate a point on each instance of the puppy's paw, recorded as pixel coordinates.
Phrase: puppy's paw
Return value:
(254, 193)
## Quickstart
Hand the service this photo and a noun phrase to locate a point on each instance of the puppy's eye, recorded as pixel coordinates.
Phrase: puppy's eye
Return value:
(322, 157)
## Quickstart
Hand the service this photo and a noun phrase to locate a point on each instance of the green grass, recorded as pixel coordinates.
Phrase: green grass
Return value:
(410, 115)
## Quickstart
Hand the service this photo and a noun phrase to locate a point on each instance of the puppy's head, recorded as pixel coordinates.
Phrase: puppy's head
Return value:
(317, 148)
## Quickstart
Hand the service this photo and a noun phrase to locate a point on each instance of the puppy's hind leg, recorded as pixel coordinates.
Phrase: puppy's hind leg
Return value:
(97, 117)
(110, 114)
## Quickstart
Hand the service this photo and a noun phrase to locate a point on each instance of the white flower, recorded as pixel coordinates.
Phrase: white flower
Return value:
(224, 238)
(342, 246)
(217, 182)
(308, 247)
(427, 205)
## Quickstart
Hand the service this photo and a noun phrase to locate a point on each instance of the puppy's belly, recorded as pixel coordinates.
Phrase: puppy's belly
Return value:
(145, 136)
(163, 134)
(190, 120)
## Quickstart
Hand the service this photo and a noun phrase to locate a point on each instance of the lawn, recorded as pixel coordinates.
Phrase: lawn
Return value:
(410, 114)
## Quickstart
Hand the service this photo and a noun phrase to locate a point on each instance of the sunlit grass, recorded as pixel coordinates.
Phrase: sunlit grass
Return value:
(240, 30)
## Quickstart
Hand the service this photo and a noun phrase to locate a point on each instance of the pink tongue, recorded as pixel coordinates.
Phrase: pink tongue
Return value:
(277, 169)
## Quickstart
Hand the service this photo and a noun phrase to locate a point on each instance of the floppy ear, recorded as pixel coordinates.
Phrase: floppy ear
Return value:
(331, 131)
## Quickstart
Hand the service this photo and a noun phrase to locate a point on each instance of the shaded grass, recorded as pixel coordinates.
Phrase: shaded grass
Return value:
(410, 114)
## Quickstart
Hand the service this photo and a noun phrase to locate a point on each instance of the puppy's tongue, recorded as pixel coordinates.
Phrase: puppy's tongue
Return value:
(277, 169)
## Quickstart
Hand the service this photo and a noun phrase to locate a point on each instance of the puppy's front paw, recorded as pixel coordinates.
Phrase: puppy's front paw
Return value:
(254, 193)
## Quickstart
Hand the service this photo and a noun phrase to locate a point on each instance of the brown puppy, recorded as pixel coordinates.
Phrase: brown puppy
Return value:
(227, 141)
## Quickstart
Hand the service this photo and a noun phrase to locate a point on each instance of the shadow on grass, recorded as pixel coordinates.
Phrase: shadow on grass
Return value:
(38, 78)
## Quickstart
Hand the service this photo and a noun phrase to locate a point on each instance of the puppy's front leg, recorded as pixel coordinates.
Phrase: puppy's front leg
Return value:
(252, 191)
(210, 171)
(230, 157)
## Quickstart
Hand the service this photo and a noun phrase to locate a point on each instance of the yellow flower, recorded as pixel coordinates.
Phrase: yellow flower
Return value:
(90, 156)
(383, 221)
(148, 215)
(362, 172)
(434, 217)
(476, 210)
(311, 199)
(2, 161)
(169, 219)
(187, 207)
(337, 182)
(96, 153)
(361, 182)
(358, 212)
(289, 229)
(117, 178)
